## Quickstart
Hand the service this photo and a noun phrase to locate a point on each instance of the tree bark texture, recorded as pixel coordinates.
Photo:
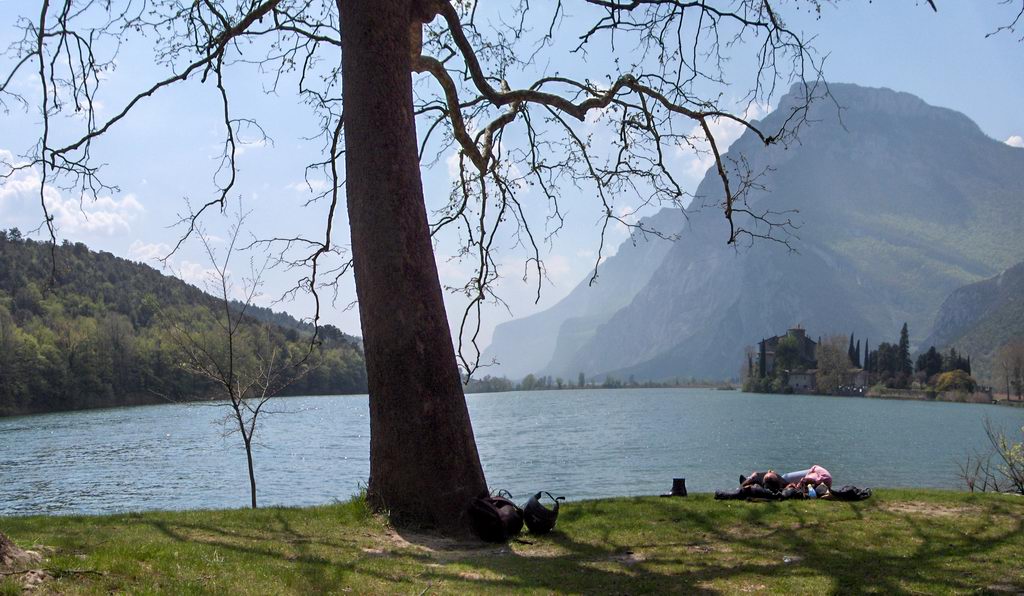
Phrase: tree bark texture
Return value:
(424, 465)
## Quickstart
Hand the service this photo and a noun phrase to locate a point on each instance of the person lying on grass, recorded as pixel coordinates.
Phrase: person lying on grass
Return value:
(770, 480)
(816, 476)
(813, 476)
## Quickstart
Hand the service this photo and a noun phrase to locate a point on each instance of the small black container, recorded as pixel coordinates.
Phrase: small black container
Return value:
(678, 488)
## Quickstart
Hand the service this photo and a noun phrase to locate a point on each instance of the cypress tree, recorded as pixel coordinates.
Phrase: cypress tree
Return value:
(904, 351)
(856, 355)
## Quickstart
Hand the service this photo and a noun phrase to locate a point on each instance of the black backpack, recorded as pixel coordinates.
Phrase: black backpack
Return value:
(850, 493)
(540, 519)
(495, 518)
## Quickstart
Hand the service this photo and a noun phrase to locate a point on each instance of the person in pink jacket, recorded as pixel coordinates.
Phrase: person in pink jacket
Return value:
(813, 476)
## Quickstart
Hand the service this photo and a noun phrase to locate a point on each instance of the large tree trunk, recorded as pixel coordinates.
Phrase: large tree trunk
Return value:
(424, 466)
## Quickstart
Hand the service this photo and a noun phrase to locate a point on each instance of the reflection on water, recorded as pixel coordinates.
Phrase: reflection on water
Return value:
(581, 444)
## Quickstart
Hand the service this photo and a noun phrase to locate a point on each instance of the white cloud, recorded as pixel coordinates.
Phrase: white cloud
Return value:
(304, 186)
(83, 114)
(147, 253)
(698, 158)
(452, 273)
(452, 161)
(103, 216)
(558, 269)
(222, 150)
(242, 146)
(594, 116)
(196, 274)
(202, 276)
(1015, 141)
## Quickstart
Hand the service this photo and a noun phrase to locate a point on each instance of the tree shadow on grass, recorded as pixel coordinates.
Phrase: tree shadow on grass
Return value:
(668, 546)
(322, 564)
(777, 543)
(361, 556)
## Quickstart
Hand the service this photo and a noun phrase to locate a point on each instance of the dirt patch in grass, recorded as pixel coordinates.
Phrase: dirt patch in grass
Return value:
(749, 532)
(706, 548)
(472, 575)
(1005, 589)
(29, 579)
(439, 546)
(930, 509)
(628, 557)
(543, 551)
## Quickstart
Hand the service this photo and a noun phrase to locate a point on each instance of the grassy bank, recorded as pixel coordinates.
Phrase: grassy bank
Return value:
(897, 541)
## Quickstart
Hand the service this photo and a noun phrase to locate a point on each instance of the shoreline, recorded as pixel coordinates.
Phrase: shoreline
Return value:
(711, 387)
(901, 396)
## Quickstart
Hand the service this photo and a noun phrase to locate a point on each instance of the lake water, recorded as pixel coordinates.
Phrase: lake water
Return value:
(581, 444)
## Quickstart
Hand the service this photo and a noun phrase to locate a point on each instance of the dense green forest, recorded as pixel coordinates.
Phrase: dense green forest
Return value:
(99, 331)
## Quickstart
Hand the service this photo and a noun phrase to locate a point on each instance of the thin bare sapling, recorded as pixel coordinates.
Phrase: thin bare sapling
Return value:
(236, 353)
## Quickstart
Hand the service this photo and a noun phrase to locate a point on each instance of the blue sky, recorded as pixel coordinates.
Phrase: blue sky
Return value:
(165, 150)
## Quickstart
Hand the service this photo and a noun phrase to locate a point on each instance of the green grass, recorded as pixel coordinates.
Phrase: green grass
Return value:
(895, 542)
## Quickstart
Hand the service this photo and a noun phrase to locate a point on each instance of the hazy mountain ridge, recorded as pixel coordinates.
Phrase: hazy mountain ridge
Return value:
(900, 203)
(528, 345)
(979, 318)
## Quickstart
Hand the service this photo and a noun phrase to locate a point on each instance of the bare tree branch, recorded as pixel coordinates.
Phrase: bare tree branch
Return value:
(511, 140)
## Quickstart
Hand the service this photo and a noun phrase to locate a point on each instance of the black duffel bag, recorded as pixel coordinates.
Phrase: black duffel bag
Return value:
(850, 493)
(495, 518)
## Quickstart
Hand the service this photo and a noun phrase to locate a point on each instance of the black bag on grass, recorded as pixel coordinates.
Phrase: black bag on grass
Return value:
(793, 493)
(850, 493)
(540, 519)
(495, 518)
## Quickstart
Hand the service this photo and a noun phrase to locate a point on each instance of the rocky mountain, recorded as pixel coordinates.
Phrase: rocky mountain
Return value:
(898, 202)
(979, 318)
(533, 343)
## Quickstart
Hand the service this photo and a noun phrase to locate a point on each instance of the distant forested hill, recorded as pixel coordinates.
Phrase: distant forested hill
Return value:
(979, 318)
(98, 333)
